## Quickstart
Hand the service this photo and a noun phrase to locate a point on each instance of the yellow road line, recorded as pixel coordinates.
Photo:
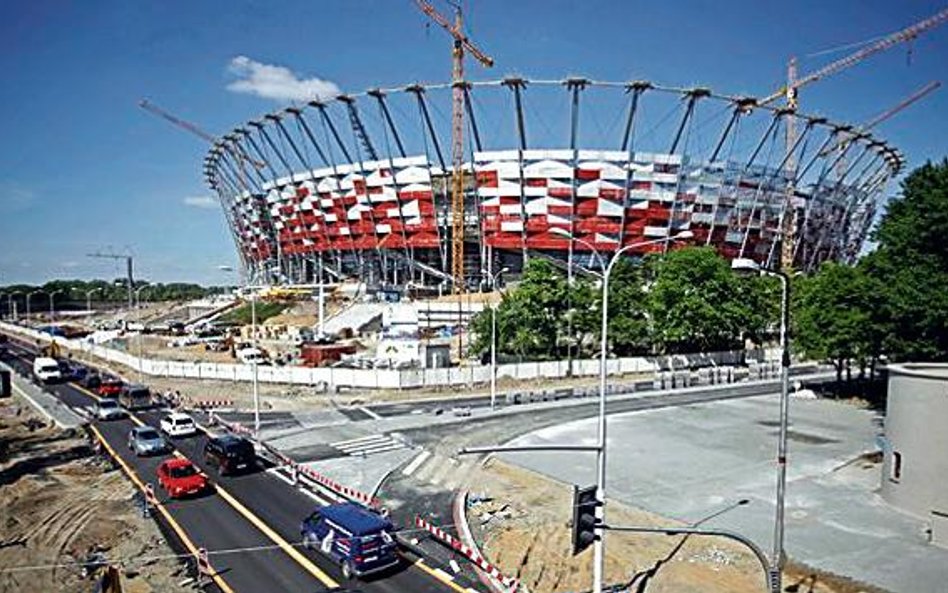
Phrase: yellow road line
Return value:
(295, 554)
(420, 563)
(218, 580)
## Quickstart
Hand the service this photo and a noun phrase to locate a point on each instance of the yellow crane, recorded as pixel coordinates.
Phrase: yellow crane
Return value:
(790, 92)
(461, 43)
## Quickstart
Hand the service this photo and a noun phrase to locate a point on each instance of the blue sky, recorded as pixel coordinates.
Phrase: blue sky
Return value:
(83, 169)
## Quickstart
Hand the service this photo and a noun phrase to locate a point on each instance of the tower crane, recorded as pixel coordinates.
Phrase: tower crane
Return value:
(790, 92)
(916, 96)
(128, 267)
(461, 43)
(187, 126)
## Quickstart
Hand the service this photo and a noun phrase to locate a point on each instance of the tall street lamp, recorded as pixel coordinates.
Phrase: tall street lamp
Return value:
(141, 330)
(751, 266)
(256, 357)
(10, 304)
(493, 340)
(52, 307)
(599, 543)
(89, 298)
(29, 295)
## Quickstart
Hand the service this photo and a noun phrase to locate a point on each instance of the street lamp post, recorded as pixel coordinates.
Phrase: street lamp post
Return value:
(493, 341)
(141, 332)
(29, 295)
(52, 307)
(599, 543)
(10, 304)
(89, 298)
(776, 560)
(256, 357)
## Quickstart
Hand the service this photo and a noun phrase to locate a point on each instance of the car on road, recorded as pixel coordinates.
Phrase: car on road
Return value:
(91, 380)
(357, 538)
(72, 371)
(145, 440)
(178, 477)
(46, 369)
(109, 387)
(462, 411)
(134, 397)
(230, 454)
(108, 409)
(177, 424)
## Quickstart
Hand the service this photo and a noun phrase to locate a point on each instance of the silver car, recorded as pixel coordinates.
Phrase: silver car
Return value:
(145, 440)
(109, 409)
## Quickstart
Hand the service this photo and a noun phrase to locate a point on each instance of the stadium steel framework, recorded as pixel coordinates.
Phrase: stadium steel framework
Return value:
(359, 184)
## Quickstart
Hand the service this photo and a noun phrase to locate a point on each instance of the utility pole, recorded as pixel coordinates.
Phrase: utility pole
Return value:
(128, 265)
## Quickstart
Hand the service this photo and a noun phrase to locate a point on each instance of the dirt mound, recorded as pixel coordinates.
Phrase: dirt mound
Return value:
(58, 502)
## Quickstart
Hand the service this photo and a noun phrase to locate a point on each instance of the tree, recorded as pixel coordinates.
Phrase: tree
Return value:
(910, 266)
(695, 302)
(833, 315)
(628, 310)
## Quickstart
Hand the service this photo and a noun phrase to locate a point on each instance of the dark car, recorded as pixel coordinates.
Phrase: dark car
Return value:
(91, 380)
(230, 454)
(357, 538)
(72, 371)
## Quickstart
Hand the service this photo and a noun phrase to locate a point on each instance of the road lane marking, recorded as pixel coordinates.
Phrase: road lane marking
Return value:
(416, 463)
(440, 575)
(370, 413)
(181, 533)
(295, 554)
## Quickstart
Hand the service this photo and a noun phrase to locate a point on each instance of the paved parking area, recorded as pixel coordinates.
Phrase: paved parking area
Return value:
(688, 462)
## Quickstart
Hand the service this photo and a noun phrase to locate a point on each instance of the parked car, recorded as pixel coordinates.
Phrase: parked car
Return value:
(108, 409)
(178, 477)
(230, 454)
(46, 369)
(109, 387)
(134, 397)
(145, 440)
(177, 424)
(359, 539)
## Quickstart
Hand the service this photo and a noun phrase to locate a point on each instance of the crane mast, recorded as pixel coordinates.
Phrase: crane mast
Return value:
(461, 43)
(790, 93)
(128, 268)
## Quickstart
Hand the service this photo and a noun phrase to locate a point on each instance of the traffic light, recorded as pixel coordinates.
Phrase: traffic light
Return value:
(584, 518)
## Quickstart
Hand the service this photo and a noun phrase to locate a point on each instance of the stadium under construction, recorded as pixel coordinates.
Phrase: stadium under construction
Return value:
(360, 185)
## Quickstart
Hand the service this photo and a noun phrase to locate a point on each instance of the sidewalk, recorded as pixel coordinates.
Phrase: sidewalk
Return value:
(46, 404)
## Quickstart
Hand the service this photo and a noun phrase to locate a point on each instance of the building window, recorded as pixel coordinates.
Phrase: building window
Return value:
(896, 466)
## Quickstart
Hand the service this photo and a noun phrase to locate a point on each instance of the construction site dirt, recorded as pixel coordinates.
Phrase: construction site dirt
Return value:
(65, 513)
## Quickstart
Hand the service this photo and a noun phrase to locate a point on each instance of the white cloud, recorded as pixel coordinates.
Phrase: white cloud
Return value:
(200, 202)
(276, 82)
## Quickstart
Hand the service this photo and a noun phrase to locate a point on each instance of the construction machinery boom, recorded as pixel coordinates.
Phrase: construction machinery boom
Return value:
(187, 126)
(461, 43)
(790, 92)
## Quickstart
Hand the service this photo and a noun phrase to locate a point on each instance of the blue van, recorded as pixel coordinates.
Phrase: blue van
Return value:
(359, 539)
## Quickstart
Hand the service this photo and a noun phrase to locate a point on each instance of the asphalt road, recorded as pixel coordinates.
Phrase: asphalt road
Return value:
(214, 523)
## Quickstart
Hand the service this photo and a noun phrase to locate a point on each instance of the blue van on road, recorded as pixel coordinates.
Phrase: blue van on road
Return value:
(359, 539)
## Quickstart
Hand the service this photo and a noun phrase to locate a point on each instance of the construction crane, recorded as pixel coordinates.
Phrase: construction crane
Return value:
(236, 151)
(916, 96)
(128, 267)
(790, 92)
(461, 43)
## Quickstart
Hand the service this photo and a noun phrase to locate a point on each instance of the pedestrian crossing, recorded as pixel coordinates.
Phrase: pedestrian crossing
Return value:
(439, 470)
(370, 445)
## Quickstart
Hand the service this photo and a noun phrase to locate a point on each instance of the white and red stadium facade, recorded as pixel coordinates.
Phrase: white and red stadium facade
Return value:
(341, 184)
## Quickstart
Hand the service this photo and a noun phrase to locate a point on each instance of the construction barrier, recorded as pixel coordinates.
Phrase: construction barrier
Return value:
(150, 499)
(468, 552)
(203, 564)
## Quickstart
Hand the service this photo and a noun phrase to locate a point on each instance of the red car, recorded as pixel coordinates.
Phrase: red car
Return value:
(180, 478)
(109, 388)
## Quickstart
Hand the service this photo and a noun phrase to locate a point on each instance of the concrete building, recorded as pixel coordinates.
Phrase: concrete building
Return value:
(915, 470)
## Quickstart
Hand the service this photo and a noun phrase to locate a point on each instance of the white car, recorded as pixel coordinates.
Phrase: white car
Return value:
(109, 409)
(177, 424)
(46, 369)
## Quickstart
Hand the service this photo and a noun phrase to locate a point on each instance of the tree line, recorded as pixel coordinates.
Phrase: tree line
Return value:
(891, 305)
(116, 291)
